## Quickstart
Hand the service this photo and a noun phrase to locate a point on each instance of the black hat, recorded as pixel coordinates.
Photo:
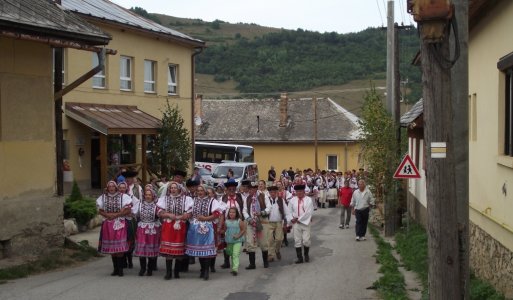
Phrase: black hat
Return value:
(245, 183)
(230, 183)
(299, 187)
(180, 173)
(272, 188)
(128, 174)
(191, 182)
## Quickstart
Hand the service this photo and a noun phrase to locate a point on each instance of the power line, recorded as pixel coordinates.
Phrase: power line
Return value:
(402, 11)
(380, 15)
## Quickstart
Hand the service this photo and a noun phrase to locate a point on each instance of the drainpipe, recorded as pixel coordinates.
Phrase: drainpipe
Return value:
(197, 51)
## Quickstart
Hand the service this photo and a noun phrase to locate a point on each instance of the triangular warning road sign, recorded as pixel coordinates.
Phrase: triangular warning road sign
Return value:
(407, 169)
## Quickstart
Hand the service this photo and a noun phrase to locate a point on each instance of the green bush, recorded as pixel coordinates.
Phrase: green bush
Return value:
(79, 207)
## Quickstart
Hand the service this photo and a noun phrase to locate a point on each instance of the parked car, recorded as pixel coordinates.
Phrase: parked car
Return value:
(205, 174)
(241, 171)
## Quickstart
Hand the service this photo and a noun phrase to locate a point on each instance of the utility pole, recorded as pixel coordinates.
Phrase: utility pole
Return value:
(58, 62)
(459, 96)
(315, 133)
(442, 216)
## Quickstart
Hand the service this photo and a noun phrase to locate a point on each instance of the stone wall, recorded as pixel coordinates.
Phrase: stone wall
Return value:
(491, 261)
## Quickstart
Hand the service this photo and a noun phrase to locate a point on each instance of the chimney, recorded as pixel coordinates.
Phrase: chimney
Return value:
(283, 109)
(198, 103)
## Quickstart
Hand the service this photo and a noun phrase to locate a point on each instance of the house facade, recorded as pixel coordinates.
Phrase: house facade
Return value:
(31, 214)
(283, 131)
(109, 119)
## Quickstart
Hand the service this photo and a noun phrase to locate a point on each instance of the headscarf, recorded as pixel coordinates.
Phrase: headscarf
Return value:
(109, 183)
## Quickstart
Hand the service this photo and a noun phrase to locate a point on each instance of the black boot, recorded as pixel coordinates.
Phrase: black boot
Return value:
(184, 267)
(299, 256)
(264, 258)
(226, 264)
(178, 267)
(124, 261)
(207, 268)
(115, 265)
(152, 261)
(154, 264)
(142, 262)
(129, 260)
(120, 260)
(285, 240)
(202, 267)
(307, 258)
(212, 264)
(251, 261)
(169, 266)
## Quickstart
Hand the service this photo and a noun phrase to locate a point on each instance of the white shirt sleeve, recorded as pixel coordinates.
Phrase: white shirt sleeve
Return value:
(126, 200)
(99, 202)
(267, 205)
(161, 202)
(135, 205)
(189, 203)
(306, 215)
(245, 209)
(288, 215)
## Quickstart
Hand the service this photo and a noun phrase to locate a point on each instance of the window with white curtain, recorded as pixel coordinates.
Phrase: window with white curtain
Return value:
(99, 78)
(149, 76)
(172, 82)
(125, 73)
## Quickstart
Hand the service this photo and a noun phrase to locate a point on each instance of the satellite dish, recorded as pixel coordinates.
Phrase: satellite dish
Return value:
(197, 121)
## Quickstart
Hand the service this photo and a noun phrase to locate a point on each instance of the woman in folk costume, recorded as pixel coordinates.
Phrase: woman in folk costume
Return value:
(114, 206)
(219, 233)
(174, 209)
(131, 225)
(148, 233)
(200, 235)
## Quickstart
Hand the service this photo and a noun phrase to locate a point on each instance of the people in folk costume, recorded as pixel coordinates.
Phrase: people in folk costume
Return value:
(154, 189)
(285, 195)
(190, 191)
(148, 232)
(301, 209)
(235, 231)
(256, 213)
(135, 191)
(219, 240)
(262, 188)
(200, 235)
(174, 209)
(113, 206)
(178, 177)
(131, 224)
(231, 199)
(279, 216)
(219, 188)
(244, 189)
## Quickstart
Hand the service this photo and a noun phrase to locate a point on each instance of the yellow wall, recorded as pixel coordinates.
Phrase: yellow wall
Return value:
(302, 156)
(26, 119)
(139, 47)
(489, 169)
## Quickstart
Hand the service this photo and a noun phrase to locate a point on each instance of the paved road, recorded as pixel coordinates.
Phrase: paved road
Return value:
(340, 268)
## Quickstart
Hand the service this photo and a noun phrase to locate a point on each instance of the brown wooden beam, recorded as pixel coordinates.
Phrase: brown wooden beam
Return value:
(103, 160)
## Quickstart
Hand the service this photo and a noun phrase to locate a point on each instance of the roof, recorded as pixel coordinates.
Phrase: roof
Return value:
(413, 113)
(113, 119)
(255, 121)
(45, 19)
(108, 11)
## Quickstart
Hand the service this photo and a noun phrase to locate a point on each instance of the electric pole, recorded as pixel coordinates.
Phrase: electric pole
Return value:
(315, 133)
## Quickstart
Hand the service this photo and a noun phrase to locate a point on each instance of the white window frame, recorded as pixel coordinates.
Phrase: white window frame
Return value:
(100, 75)
(128, 76)
(150, 78)
(328, 162)
(170, 83)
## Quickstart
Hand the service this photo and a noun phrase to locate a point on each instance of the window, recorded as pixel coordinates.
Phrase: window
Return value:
(332, 162)
(171, 80)
(508, 117)
(149, 76)
(125, 73)
(99, 78)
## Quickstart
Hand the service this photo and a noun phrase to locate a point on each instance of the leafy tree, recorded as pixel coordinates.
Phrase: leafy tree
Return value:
(143, 13)
(171, 148)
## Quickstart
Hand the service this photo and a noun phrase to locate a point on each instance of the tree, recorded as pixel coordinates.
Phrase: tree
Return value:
(171, 148)
(378, 145)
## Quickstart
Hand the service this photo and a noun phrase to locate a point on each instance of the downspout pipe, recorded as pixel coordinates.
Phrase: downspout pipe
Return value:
(197, 51)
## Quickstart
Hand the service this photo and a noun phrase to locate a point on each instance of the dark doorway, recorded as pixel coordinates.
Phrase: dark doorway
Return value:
(95, 163)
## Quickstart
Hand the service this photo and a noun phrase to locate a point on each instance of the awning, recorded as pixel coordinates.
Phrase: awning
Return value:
(113, 119)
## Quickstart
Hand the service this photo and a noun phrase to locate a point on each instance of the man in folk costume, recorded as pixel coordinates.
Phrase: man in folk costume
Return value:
(178, 177)
(279, 215)
(134, 190)
(244, 189)
(286, 195)
(113, 207)
(301, 208)
(256, 213)
(174, 209)
(231, 199)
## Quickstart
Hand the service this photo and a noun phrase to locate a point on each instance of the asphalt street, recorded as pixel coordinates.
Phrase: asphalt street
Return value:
(340, 268)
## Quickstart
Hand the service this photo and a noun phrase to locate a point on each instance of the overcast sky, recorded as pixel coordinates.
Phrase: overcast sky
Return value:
(341, 16)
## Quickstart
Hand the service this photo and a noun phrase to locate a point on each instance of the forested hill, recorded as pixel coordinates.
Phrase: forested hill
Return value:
(270, 60)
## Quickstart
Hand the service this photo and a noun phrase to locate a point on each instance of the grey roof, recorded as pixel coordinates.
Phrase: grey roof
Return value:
(109, 11)
(43, 18)
(413, 113)
(236, 121)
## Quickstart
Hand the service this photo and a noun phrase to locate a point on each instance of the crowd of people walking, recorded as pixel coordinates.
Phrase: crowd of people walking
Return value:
(183, 220)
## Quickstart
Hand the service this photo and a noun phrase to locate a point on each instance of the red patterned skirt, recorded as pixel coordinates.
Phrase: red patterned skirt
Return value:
(172, 240)
(113, 236)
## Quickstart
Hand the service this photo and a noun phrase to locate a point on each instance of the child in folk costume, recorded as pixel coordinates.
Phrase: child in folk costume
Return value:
(200, 235)
(148, 233)
(114, 206)
(174, 209)
(231, 199)
(235, 231)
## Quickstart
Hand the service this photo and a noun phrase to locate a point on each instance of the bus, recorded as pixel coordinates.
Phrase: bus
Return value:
(209, 155)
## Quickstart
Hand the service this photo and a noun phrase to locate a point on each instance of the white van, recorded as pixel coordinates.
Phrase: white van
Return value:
(241, 171)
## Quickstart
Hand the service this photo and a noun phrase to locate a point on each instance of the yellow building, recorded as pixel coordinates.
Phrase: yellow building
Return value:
(30, 211)
(283, 133)
(108, 118)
